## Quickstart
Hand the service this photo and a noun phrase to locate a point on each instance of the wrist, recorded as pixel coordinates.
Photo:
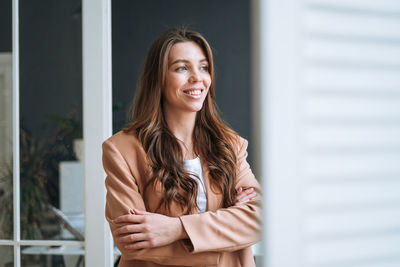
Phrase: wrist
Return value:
(180, 229)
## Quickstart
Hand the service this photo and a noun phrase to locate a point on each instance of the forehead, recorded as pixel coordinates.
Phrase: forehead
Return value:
(190, 51)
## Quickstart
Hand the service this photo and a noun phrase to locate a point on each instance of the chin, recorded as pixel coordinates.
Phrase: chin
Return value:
(196, 108)
(193, 107)
(193, 110)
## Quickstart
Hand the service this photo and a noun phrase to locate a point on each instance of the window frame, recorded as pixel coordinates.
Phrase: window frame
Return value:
(97, 107)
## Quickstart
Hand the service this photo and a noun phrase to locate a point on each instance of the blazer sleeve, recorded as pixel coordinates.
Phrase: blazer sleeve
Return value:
(122, 195)
(230, 228)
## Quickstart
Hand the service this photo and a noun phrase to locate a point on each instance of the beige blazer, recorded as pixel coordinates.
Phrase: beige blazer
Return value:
(218, 237)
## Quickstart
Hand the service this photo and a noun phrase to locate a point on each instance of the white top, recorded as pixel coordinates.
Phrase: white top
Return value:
(193, 166)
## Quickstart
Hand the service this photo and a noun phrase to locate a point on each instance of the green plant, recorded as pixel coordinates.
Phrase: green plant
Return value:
(39, 171)
(33, 180)
(6, 200)
(33, 194)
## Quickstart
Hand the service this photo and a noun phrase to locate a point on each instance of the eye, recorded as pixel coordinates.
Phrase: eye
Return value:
(181, 68)
(204, 68)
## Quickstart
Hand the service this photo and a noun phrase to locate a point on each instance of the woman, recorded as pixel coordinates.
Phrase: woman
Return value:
(179, 189)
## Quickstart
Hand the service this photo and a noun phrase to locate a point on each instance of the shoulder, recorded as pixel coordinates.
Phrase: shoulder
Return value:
(242, 142)
(242, 148)
(122, 138)
(125, 142)
(239, 144)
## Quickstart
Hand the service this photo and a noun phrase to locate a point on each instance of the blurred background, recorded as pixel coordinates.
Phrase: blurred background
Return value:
(314, 85)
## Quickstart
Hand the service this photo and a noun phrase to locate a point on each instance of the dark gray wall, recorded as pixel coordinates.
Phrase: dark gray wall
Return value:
(5, 26)
(50, 62)
(50, 78)
(224, 23)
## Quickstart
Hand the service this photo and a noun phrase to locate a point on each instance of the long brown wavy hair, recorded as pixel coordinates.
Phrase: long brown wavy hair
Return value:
(213, 140)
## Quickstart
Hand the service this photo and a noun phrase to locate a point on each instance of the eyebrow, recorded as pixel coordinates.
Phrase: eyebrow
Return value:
(186, 61)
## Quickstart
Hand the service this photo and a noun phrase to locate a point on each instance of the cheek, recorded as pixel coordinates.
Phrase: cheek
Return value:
(174, 82)
(170, 85)
(166, 92)
(169, 95)
(171, 91)
(208, 79)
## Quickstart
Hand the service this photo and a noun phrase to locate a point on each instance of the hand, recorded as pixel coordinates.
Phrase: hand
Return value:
(244, 196)
(146, 230)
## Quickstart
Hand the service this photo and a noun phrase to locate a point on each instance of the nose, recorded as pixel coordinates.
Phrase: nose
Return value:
(195, 76)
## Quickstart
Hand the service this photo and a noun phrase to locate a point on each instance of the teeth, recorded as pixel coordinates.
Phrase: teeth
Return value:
(194, 92)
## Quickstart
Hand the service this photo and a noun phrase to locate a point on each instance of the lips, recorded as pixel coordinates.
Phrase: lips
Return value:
(194, 91)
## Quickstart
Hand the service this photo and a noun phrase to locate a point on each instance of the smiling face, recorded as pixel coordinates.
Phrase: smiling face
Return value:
(187, 79)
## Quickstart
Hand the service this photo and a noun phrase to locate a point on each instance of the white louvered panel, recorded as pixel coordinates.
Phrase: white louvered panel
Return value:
(350, 79)
(388, 6)
(352, 137)
(371, 54)
(352, 194)
(352, 222)
(351, 164)
(339, 107)
(350, 251)
(386, 262)
(351, 24)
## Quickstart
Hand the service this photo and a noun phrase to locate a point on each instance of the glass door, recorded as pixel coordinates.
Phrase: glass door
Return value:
(6, 140)
(41, 134)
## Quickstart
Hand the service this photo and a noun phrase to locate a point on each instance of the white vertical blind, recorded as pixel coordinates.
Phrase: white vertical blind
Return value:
(351, 138)
(330, 116)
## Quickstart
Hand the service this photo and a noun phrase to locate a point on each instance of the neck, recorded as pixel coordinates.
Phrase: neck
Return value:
(181, 124)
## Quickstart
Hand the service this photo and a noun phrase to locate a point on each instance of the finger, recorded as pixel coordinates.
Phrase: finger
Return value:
(252, 195)
(243, 196)
(127, 229)
(239, 190)
(129, 219)
(138, 245)
(249, 190)
(127, 239)
(244, 193)
(240, 196)
(248, 197)
(140, 212)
